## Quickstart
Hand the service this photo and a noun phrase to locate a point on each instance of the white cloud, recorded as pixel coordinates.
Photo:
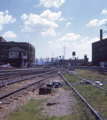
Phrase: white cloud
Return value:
(102, 22)
(9, 34)
(50, 15)
(50, 42)
(93, 23)
(67, 25)
(96, 22)
(5, 19)
(24, 17)
(86, 45)
(1, 27)
(69, 37)
(105, 36)
(93, 40)
(104, 11)
(73, 42)
(51, 3)
(85, 39)
(44, 20)
(83, 48)
(6, 11)
(49, 32)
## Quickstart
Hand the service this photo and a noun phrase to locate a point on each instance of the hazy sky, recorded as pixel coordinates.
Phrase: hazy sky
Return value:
(52, 25)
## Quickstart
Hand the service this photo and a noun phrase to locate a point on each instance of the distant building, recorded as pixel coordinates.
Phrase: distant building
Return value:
(2, 39)
(18, 54)
(74, 62)
(99, 50)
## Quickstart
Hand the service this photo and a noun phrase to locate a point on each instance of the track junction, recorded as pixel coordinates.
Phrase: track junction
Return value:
(17, 83)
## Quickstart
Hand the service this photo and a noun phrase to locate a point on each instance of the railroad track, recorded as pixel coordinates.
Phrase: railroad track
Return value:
(14, 76)
(14, 94)
(26, 78)
(21, 84)
(10, 88)
(4, 94)
(89, 82)
(101, 71)
(7, 89)
(97, 116)
(100, 91)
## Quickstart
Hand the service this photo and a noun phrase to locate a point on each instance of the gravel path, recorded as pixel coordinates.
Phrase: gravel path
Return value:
(64, 101)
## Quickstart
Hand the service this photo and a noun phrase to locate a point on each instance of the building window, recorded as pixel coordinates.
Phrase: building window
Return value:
(11, 53)
(24, 53)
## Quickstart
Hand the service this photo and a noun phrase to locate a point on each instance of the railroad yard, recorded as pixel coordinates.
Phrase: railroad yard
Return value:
(53, 94)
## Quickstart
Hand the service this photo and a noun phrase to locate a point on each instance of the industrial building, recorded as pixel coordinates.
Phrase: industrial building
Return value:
(75, 62)
(17, 54)
(99, 50)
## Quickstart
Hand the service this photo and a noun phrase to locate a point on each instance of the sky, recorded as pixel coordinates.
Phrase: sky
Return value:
(54, 27)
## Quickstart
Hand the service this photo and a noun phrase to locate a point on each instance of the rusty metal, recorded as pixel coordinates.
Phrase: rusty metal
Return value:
(25, 87)
(92, 109)
(24, 79)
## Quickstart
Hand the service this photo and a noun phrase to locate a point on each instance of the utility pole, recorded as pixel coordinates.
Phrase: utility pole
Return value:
(64, 52)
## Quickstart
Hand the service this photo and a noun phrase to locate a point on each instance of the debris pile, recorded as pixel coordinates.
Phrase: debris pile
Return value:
(49, 87)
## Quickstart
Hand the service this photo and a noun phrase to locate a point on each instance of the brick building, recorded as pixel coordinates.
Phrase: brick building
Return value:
(99, 50)
(18, 54)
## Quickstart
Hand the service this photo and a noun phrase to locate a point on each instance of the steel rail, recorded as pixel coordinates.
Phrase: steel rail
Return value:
(25, 87)
(92, 109)
(89, 82)
(21, 73)
(24, 79)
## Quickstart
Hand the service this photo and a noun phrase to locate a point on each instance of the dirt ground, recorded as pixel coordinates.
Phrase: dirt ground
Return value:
(63, 101)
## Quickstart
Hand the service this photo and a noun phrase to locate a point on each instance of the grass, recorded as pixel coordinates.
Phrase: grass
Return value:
(97, 76)
(32, 111)
(95, 97)
(88, 74)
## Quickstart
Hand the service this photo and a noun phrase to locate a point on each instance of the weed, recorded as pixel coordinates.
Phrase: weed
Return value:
(94, 96)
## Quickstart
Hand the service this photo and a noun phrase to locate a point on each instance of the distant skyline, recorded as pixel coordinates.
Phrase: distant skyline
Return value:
(50, 26)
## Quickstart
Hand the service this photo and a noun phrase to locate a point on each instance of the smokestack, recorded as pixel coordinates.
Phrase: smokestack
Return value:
(101, 34)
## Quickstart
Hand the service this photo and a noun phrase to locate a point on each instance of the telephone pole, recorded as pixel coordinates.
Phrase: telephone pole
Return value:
(64, 51)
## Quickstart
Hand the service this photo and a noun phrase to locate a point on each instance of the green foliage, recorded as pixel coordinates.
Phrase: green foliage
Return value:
(71, 78)
(94, 96)
(32, 111)
(87, 74)
(29, 111)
